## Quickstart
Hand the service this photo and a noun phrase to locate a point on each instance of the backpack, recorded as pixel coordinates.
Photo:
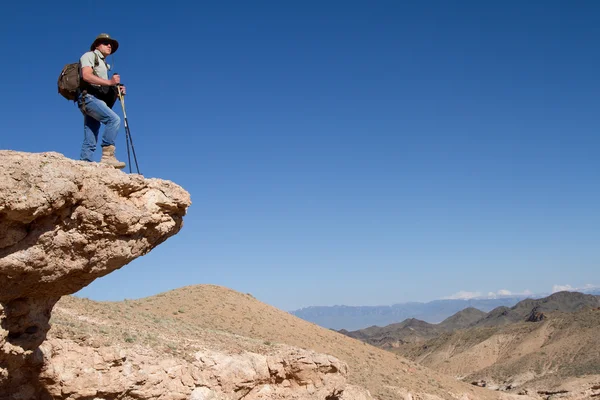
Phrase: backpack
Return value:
(70, 81)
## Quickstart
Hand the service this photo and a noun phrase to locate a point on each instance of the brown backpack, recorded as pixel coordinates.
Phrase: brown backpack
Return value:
(70, 82)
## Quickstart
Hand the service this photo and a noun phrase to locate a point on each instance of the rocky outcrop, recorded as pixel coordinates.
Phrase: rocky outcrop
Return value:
(64, 223)
(580, 389)
(535, 316)
(81, 372)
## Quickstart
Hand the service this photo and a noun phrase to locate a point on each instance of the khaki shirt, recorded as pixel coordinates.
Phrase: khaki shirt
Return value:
(89, 60)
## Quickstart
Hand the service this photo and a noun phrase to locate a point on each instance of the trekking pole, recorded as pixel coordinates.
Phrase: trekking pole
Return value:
(128, 152)
(128, 137)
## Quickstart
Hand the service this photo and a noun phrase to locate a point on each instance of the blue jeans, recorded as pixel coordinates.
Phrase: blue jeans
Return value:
(96, 112)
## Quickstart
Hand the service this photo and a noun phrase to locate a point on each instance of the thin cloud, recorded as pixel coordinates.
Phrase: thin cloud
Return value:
(466, 295)
(507, 293)
(463, 295)
(560, 288)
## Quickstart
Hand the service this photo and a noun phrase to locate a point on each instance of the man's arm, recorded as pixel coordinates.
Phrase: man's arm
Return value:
(89, 77)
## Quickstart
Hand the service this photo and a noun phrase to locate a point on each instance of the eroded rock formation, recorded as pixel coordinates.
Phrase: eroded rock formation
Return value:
(81, 372)
(64, 223)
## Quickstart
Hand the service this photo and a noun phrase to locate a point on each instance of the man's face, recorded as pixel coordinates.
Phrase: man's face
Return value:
(105, 48)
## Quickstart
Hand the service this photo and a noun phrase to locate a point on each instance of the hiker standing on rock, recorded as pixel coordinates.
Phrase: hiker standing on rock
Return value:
(96, 99)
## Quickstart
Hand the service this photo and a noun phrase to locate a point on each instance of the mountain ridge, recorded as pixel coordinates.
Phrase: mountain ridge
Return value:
(413, 330)
(352, 318)
(526, 346)
(358, 317)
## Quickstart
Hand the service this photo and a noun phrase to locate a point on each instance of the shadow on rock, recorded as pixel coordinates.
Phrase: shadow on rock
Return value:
(23, 382)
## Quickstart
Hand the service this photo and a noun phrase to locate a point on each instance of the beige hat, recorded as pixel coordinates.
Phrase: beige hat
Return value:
(105, 37)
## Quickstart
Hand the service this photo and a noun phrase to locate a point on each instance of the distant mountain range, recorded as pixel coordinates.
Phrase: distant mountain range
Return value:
(415, 331)
(359, 317)
(533, 345)
(594, 291)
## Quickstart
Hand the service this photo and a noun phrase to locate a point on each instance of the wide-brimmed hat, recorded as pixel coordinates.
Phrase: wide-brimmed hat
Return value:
(105, 37)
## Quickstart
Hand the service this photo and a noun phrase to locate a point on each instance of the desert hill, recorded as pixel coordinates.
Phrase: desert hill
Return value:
(529, 308)
(463, 319)
(408, 331)
(537, 356)
(191, 317)
(535, 346)
(415, 331)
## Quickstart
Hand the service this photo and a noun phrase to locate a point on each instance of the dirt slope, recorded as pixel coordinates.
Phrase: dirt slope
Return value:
(462, 319)
(175, 320)
(537, 355)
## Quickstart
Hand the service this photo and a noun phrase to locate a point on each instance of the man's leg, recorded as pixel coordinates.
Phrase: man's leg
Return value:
(91, 127)
(99, 111)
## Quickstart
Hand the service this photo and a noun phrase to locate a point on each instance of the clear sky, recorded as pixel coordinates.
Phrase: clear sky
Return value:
(339, 152)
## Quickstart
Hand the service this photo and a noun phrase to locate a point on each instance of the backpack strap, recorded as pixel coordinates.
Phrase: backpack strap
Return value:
(96, 62)
(84, 91)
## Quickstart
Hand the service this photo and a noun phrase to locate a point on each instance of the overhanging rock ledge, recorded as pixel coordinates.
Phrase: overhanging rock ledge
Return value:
(64, 223)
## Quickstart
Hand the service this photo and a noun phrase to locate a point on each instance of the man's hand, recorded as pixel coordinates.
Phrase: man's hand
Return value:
(89, 77)
(123, 90)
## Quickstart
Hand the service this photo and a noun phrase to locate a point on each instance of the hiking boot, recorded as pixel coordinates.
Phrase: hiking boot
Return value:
(108, 157)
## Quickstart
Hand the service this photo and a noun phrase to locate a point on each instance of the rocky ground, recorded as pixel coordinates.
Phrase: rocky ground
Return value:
(182, 322)
(153, 357)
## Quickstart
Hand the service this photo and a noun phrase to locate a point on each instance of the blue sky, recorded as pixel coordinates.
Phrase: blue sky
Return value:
(351, 152)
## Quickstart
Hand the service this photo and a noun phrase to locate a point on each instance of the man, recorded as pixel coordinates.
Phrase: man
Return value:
(98, 96)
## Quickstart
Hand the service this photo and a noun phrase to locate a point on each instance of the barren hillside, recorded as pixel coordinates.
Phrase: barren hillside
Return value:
(536, 355)
(416, 331)
(199, 316)
(541, 345)
(413, 330)
(529, 308)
